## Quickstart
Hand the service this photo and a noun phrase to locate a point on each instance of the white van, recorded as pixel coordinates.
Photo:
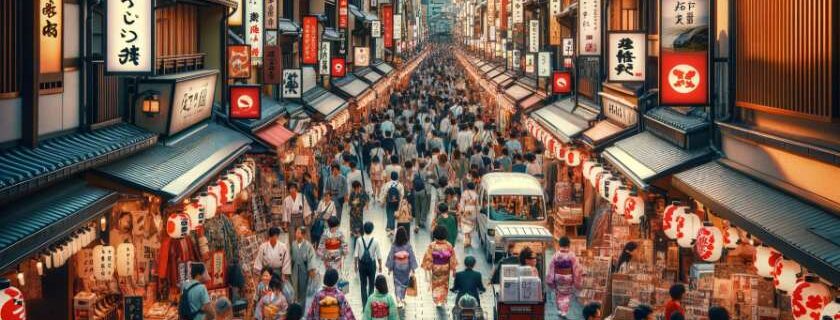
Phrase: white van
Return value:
(507, 199)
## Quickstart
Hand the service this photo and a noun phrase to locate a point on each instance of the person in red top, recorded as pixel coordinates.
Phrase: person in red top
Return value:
(677, 291)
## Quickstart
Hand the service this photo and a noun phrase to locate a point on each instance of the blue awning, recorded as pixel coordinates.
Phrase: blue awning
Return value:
(645, 157)
(799, 230)
(331, 34)
(356, 12)
(177, 169)
(351, 86)
(23, 169)
(368, 75)
(326, 103)
(38, 221)
(561, 123)
(383, 67)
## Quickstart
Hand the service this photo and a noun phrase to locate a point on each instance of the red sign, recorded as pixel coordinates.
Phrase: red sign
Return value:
(310, 40)
(342, 13)
(684, 78)
(272, 65)
(245, 102)
(338, 67)
(562, 82)
(388, 25)
(239, 61)
(503, 16)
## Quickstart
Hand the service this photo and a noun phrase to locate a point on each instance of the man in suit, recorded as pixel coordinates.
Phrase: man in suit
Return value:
(468, 281)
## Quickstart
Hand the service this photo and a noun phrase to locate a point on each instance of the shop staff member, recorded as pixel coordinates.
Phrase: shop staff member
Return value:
(274, 254)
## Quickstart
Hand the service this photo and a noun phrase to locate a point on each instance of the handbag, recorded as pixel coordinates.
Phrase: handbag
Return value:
(411, 290)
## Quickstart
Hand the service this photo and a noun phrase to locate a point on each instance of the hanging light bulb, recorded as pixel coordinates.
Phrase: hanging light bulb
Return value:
(21, 279)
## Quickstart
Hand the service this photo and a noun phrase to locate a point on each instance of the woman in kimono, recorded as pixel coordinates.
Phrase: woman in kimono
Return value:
(440, 262)
(401, 263)
(467, 209)
(564, 275)
(273, 304)
(333, 247)
(358, 200)
(303, 265)
(446, 220)
(330, 303)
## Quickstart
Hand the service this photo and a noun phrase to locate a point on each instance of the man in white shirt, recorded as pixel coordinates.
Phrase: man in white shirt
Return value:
(367, 268)
(274, 254)
(465, 138)
(354, 175)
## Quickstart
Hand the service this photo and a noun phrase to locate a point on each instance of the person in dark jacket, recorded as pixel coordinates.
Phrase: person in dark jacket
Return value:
(468, 281)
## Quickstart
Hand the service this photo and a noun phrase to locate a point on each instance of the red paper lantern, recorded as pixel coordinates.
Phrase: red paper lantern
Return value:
(832, 310)
(688, 225)
(178, 225)
(709, 244)
(634, 208)
(12, 305)
(669, 219)
(594, 173)
(765, 261)
(809, 298)
(573, 158)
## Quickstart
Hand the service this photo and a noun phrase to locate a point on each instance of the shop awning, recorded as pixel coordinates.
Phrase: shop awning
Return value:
(356, 12)
(495, 72)
(383, 67)
(35, 222)
(176, 169)
(370, 16)
(487, 67)
(288, 27)
(563, 124)
(603, 133)
(271, 111)
(351, 86)
(331, 34)
(499, 79)
(799, 230)
(645, 157)
(368, 75)
(23, 169)
(324, 102)
(275, 135)
(517, 92)
(534, 100)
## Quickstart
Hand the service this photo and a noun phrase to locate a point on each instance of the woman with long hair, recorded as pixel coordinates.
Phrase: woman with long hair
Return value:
(401, 264)
(440, 262)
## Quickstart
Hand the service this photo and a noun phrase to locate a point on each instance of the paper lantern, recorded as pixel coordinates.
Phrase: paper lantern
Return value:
(765, 261)
(573, 158)
(809, 298)
(236, 184)
(229, 189)
(709, 244)
(103, 263)
(786, 274)
(207, 202)
(594, 172)
(196, 214)
(178, 225)
(559, 151)
(610, 185)
(601, 180)
(615, 185)
(688, 225)
(669, 219)
(731, 239)
(243, 176)
(634, 208)
(125, 259)
(12, 305)
(224, 190)
(832, 310)
(587, 165)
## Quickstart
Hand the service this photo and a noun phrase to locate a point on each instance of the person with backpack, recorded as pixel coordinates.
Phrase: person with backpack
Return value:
(324, 211)
(329, 303)
(390, 197)
(195, 301)
(380, 305)
(564, 275)
(273, 304)
(368, 260)
(421, 198)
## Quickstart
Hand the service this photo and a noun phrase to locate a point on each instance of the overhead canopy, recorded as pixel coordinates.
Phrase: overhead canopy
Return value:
(275, 134)
(331, 34)
(645, 157)
(561, 123)
(356, 12)
(351, 86)
(176, 170)
(799, 230)
(517, 92)
(603, 133)
(499, 79)
(495, 72)
(487, 67)
(271, 111)
(324, 102)
(368, 75)
(288, 27)
(383, 67)
(534, 100)
(33, 223)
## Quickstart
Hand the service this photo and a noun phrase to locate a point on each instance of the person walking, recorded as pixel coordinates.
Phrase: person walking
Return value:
(440, 262)
(376, 175)
(295, 209)
(422, 198)
(336, 185)
(564, 275)
(330, 302)
(446, 220)
(358, 201)
(195, 301)
(333, 247)
(367, 260)
(303, 265)
(467, 212)
(401, 264)
(272, 305)
(390, 196)
(380, 304)
(274, 254)
(403, 215)
(468, 282)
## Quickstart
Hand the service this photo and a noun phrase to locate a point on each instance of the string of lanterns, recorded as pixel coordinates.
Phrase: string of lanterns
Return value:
(313, 135)
(572, 157)
(339, 120)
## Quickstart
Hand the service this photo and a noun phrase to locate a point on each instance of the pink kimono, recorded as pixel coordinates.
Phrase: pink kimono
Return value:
(564, 276)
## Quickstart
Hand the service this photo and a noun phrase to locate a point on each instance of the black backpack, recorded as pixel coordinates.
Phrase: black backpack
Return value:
(393, 200)
(366, 263)
(184, 310)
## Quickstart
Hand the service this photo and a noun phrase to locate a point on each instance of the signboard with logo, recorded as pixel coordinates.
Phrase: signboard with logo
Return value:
(342, 13)
(129, 33)
(239, 61)
(544, 64)
(388, 25)
(309, 40)
(397, 26)
(338, 67)
(533, 35)
(324, 58)
(192, 102)
(619, 110)
(51, 17)
(254, 30)
(518, 11)
(626, 56)
(271, 14)
(361, 56)
(589, 28)
(292, 83)
(272, 65)
(683, 49)
(376, 29)
(554, 29)
(562, 82)
(245, 102)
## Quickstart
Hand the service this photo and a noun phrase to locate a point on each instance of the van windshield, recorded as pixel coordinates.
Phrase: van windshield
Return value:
(516, 208)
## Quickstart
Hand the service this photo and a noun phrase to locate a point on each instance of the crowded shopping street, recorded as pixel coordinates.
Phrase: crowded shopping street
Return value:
(419, 160)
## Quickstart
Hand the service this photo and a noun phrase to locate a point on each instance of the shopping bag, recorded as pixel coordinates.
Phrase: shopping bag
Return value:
(411, 290)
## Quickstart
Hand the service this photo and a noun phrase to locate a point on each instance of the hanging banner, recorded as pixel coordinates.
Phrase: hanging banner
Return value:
(544, 64)
(51, 19)
(388, 25)
(683, 52)
(533, 35)
(375, 29)
(309, 40)
(271, 14)
(235, 18)
(342, 14)
(239, 61)
(397, 26)
(272, 65)
(292, 83)
(554, 30)
(503, 15)
(516, 59)
(492, 33)
(529, 63)
(245, 101)
(562, 83)
(338, 68)
(324, 58)
(589, 28)
(128, 44)
(568, 47)
(361, 56)
(626, 56)
(518, 11)
(254, 30)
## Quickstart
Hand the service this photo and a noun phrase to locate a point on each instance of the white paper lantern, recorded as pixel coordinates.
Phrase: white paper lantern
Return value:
(125, 259)
(687, 227)
(832, 310)
(195, 212)
(215, 191)
(12, 304)
(786, 274)
(587, 165)
(709, 244)
(610, 185)
(178, 225)
(103, 262)
(594, 172)
(634, 208)
(618, 198)
(243, 176)
(207, 202)
(731, 239)
(573, 158)
(765, 261)
(669, 219)
(612, 193)
(229, 190)
(601, 181)
(808, 299)
(236, 183)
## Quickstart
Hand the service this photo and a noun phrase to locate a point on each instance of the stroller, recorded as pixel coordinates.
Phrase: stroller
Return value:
(467, 308)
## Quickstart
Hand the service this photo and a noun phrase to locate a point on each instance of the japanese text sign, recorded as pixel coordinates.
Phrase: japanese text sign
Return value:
(533, 35)
(245, 102)
(544, 64)
(627, 56)
(254, 30)
(129, 35)
(397, 26)
(324, 58)
(310, 40)
(239, 61)
(192, 102)
(554, 30)
(589, 28)
(388, 25)
(342, 13)
(272, 65)
(568, 47)
(518, 11)
(529, 63)
(271, 14)
(562, 83)
(51, 33)
(375, 29)
(684, 49)
(338, 67)
(292, 83)
(503, 15)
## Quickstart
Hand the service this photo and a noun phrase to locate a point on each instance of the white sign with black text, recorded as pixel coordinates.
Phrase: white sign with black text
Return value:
(589, 27)
(544, 64)
(627, 56)
(129, 36)
(292, 83)
(397, 26)
(375, 29)
(324, 58)
(529, 63)
(533, 35)
(192, 102)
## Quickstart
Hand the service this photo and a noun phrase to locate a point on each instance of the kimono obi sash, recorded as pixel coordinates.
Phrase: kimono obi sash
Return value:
(378, 310)
(328, 308)
(401, 257)
(332, 243)
(441, 257)
(563, 267)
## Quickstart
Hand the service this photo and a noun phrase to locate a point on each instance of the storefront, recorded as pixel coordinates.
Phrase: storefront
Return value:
(385, 86)
(323, 104)
(506, 108)
(358, 94)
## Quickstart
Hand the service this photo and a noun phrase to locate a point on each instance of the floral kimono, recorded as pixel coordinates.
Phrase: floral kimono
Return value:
(564, 275)
(467, 209)
(440, 260)
(272, 306)
(330, 304)
(401, 261)
(333, 248)
(357, 207)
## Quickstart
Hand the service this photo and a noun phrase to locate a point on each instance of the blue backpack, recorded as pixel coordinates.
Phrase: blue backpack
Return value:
(393, 197)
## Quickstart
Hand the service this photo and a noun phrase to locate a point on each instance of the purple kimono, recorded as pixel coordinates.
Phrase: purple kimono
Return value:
(401, 261)
(564, 276)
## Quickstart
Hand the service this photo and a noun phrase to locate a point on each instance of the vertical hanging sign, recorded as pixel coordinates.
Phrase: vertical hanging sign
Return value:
(129, 34)
(292, 83)
(342, 14)
(562, 82)
(361, 57)
(388, 25)
(309, 40)
(589, 28)
(254, 31)
(397, 26)
(627, 56)
(324, 58)
(375, 29)
(271, 14)
(51, 30)
(518, 11)
(554, 33)
(272, 65)
(239, 61)
(503, 15)
(683, 69)
(544, 64)
(568, 47)
(533, 35)
(338, 68)
(529, 63)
